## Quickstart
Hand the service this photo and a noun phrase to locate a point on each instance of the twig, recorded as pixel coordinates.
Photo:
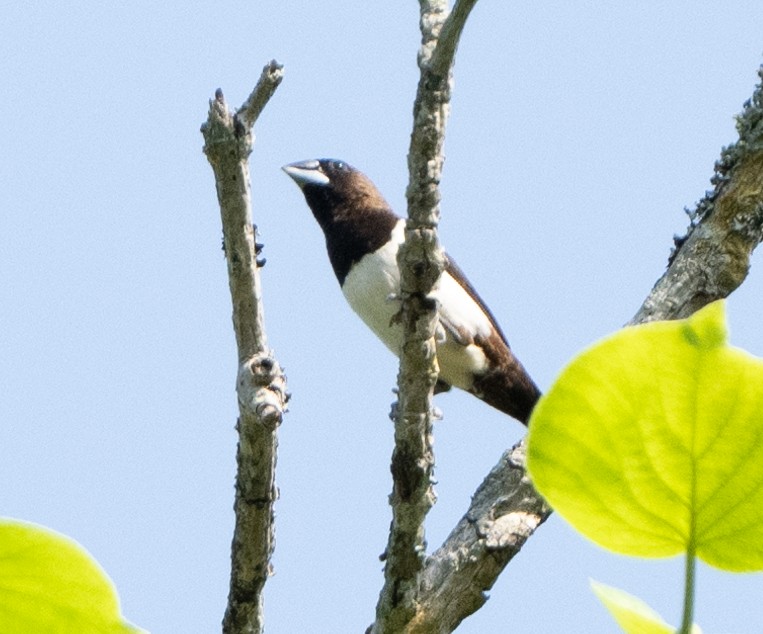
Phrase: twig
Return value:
(260, 385)
(450, 35)
(269, 81)
(421, 263)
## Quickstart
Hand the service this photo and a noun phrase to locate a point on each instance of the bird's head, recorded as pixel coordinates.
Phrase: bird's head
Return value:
(354, 216)
(335, 190)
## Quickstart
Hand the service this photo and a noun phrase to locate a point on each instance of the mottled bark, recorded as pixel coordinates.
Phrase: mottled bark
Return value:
(421, 263)
(707, 264)
(713, 258)
(260, 384)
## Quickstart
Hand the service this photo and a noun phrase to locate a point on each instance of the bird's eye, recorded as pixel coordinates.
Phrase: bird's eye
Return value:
(339, 165)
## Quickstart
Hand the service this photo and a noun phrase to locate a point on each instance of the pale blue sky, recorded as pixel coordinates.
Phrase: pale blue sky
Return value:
(578, 133)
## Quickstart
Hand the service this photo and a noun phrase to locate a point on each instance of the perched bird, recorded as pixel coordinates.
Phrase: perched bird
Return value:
(363, 235)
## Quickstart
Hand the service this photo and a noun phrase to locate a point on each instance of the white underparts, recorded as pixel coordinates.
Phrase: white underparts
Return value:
(371, 287)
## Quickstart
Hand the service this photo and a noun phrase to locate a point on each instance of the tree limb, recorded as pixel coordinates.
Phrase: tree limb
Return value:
(713, 258)
(421, 262)
(708, 264)
(260, 384)
(449, 37)
(504, 512)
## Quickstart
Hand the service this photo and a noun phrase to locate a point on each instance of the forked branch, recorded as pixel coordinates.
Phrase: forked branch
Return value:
(260, 385)
(708, 264)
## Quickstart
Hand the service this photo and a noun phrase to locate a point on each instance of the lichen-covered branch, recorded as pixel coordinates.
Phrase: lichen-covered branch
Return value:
(708, 264)
(449, 37)
(504, 512)
(421, 262)
(714, 257)
(269, 81)
(260, 384)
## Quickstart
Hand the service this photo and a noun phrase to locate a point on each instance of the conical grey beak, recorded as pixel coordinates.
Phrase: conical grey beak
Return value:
(306, 173)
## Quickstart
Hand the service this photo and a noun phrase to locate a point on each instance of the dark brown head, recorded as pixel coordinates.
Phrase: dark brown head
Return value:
(354, 216)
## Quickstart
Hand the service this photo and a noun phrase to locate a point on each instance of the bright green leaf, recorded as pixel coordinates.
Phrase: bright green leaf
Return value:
(631, 613)
(49, 583)
(651, 443)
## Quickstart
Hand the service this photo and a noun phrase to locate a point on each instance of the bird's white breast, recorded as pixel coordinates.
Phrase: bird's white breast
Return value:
(372, 287)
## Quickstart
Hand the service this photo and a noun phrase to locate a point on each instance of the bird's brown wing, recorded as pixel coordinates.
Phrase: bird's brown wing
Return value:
(505, 385)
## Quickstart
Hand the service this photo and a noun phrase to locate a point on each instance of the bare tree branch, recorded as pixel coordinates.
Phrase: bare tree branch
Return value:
(260, 384)
(504, 512)
(421, 263)
(449, 37)
(708, 264)
(713, 258)
(266, 86)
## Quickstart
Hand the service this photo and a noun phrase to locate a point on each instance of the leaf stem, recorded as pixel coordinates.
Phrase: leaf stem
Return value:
(688, 616)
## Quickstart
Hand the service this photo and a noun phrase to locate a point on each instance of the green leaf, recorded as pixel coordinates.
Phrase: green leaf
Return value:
(631, 613)
(49, 583)
(651, 443)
